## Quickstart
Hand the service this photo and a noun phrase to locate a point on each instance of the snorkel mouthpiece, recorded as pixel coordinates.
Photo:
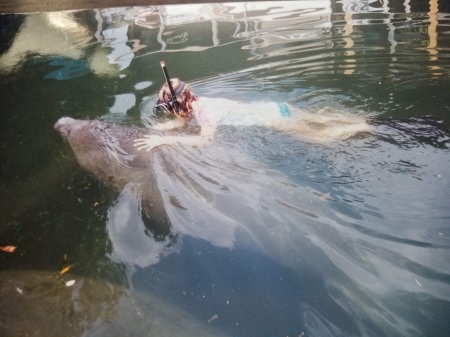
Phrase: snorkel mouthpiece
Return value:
(173, 104)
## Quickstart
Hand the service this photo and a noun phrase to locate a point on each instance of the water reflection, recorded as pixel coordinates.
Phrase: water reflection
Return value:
(56, 34)
(134, 242)
(306, 207)
(344, 238)
(283, 28)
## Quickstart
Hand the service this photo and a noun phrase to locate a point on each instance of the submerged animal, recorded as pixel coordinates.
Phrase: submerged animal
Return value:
(159, 195)
(106, 152)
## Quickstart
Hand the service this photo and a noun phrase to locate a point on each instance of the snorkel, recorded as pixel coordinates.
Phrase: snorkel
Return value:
(172, 105)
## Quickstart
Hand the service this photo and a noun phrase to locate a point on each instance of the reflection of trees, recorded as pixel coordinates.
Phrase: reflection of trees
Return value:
(402, 30)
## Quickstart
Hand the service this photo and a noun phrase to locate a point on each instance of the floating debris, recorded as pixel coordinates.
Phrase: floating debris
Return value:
(214, 317)
(8, 249)
(70, 283)
(65, 270)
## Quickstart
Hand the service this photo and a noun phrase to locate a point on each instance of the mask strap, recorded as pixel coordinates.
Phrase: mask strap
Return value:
(180, 88)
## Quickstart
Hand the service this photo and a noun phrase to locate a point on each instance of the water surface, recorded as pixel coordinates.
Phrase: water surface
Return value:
(271, 235)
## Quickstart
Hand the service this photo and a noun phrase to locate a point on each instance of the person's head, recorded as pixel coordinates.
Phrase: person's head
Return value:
(184, 95)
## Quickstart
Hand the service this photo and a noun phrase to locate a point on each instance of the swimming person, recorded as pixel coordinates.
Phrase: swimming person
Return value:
(178, 99)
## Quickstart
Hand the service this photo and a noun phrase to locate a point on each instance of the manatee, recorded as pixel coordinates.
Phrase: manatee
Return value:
(107, 152)
(158, 194)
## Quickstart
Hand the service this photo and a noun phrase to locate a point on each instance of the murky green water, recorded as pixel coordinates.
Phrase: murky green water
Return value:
(277, 236)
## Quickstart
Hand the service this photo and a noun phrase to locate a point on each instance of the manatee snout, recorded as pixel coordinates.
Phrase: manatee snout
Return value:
(64, 125)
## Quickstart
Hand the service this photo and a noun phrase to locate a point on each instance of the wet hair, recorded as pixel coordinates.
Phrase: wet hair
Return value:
(185, 98)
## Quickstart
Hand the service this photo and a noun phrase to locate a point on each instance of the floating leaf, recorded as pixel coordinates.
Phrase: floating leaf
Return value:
(65, 270)
(70, 283)
(8, 249)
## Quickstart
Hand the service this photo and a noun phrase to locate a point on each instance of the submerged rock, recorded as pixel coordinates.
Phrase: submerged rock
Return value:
(35, 303)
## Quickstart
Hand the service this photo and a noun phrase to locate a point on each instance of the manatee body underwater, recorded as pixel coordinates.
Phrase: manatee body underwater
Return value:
(158, 186)
(106, 151)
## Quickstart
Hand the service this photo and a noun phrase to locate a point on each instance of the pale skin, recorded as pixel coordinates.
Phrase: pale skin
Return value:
(149, 142)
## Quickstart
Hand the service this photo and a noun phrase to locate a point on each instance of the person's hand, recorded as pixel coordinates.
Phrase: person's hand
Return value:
(149, 142)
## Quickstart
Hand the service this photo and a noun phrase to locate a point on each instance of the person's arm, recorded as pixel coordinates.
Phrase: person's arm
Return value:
(151, 141)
